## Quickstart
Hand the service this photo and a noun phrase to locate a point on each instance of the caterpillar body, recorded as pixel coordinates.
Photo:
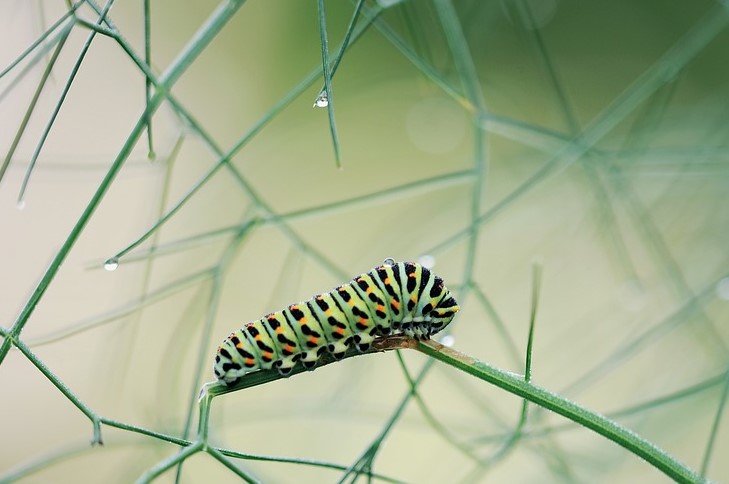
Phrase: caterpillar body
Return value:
(396, 298)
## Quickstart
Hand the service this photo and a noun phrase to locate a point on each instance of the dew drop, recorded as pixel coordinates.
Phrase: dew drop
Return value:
(448, 340)
(722, 289)
(389, 262)
(111, 264)
(20, 205)
(322, 100)
(427, 261)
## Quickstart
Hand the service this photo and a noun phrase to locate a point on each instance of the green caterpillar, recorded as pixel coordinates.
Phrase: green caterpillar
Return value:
(394, 298)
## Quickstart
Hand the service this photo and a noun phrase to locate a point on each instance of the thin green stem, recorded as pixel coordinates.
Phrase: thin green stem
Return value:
(116, 314)
(342, 48)
(230, 252)
(536, 283)
(639, 408)
(147, 81)
(517, 433)
(224, 157)
(59, 103)
(220, 457)
(69, 13)
(715, 425)
(196, 45)
(661, 72)
(499, 324)
(95, 420)
(516, 385)
(430, 72)
(170, 462)
(179, 245)
(63, 37)
(426, 185)
(461, 53)
(326, 69)
(123, 346)
(364, 463)
(638, 342)
(143, 431)
(441, 429)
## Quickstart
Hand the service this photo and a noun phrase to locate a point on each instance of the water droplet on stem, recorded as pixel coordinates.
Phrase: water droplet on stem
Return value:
(322, 100)
(111, 264)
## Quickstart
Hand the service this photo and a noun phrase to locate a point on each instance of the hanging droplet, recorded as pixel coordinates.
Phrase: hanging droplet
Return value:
(322, 100)
(427, 261)
(448, 340)
(111, 264)
(20, 205)
(389, 262)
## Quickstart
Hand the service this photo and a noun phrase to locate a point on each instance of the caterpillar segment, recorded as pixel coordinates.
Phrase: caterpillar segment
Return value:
(385, 279)
(402, 298)
(363, 327)
(335, 323)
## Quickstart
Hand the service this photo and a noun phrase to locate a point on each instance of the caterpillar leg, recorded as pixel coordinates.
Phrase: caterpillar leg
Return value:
(338, 349)
(363, 341)
(309, 365)
(283, 370)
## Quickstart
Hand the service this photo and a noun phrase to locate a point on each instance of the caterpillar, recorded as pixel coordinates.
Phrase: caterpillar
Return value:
(394, 298)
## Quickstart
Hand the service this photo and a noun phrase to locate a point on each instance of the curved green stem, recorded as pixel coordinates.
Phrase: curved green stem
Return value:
(512, 383)
(516, 385)
(168, 463)
(95, 420)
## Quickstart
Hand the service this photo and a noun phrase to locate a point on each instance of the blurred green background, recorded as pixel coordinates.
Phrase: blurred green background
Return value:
(588, 136)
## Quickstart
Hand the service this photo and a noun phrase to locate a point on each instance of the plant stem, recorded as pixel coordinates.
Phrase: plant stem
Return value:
(196, 46)
(516, 385)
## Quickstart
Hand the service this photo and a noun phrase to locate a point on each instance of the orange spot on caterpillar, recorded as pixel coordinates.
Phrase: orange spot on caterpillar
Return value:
(313, 339)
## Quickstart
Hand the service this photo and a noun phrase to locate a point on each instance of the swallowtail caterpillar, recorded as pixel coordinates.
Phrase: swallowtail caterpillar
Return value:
(394, 298)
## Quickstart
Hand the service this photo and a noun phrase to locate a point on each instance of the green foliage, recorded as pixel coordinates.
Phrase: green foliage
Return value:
(480, 135)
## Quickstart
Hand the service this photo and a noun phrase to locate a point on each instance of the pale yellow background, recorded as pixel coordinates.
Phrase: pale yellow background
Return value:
(615, 265)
